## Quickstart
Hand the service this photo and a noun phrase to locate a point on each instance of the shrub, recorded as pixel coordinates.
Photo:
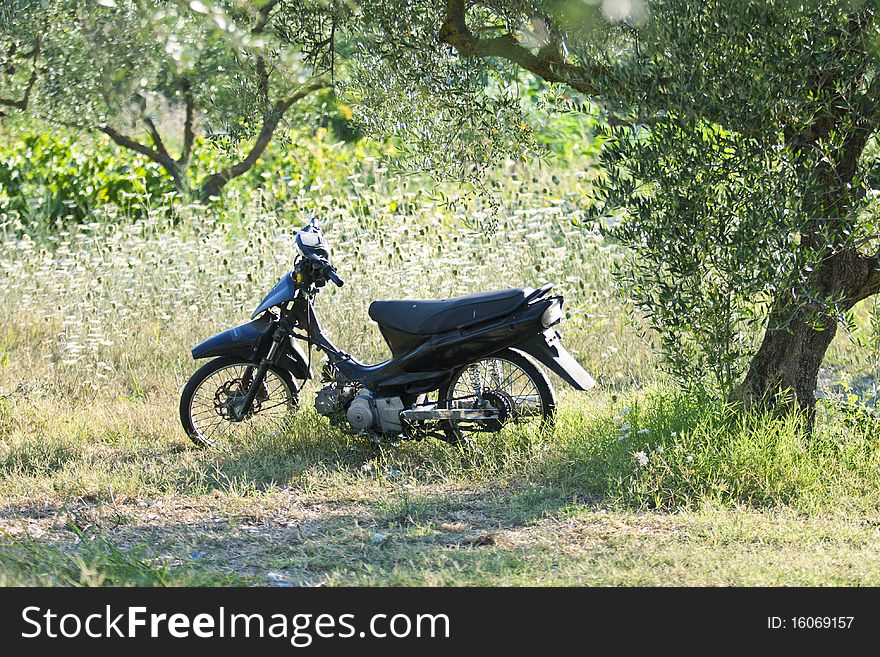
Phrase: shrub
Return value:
(50, 177)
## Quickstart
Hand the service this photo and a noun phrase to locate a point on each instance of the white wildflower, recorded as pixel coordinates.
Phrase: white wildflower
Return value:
(641, 458)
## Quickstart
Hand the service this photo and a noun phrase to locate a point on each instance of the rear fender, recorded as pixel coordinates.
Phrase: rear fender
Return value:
(547, 349)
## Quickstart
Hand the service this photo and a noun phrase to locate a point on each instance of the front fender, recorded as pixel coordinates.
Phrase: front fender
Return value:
(241, 341)
(249, 342)
(547, 348)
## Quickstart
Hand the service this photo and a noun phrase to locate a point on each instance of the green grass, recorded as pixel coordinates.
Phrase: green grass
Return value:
(94, 561)
(652, 489)
(668, 451)
(639, 485)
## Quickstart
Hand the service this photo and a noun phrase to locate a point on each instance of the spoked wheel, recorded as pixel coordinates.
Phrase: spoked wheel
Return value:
(208, 400)
(508, 383)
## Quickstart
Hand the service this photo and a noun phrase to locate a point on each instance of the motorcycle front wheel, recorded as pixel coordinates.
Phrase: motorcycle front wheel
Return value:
(208, 398)
(508, 382)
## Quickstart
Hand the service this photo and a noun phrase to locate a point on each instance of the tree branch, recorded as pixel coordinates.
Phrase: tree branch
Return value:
(156, 137)
(642, 121)
(189, 135)
(870, 105)
(866, 282)
(263, 16)
(549, 63)
(262, 70)
(164, 160)
(22, 103)
(213, 183)
(457, 34)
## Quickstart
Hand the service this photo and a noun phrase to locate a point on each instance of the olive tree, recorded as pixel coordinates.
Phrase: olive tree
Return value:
(152, 74)
(19, 55)
(738, 161)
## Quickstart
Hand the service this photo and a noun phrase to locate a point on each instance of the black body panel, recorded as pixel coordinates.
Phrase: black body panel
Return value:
(547, 348)
(436, 358)
(249, 341)
(419, 317)
(400, 342)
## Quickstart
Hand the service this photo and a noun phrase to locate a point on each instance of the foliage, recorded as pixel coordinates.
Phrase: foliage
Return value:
(45, 177)
(796, 101)
(49, 175)
(125, 59)
(19, 54)
(224, 69)
(708, 219)
(449, 119)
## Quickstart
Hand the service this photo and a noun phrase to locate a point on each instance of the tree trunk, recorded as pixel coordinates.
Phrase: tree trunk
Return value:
(783, 373)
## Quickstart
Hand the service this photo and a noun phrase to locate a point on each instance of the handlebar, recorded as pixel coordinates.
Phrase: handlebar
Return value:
(331, 275)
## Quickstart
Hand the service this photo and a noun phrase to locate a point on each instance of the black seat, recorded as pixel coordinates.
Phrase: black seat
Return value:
(431, 317)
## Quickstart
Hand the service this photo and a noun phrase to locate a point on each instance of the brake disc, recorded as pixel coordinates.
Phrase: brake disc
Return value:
(226, 398)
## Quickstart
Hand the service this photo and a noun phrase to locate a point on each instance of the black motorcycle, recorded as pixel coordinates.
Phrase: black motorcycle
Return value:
(458, 366)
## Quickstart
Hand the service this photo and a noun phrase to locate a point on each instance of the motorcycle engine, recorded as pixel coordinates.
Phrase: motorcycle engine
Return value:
(332, 399)
(362, 411)
(333, 402)
(327, 401)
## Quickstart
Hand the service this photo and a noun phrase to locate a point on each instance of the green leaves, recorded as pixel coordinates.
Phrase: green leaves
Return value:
(707, 214)
(45, 177)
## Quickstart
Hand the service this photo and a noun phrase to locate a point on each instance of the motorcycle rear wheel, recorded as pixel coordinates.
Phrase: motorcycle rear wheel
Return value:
(206, 398)
(508, 381)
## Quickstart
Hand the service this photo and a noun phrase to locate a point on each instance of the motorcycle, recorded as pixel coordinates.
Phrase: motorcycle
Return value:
(458, 367)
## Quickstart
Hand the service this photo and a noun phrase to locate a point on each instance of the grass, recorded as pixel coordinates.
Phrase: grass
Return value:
(91, 561)
(640, 485)
(660, 493)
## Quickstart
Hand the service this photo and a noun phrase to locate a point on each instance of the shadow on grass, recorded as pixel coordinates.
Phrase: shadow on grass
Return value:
(294, 460)
(341, 548)
(513, 477)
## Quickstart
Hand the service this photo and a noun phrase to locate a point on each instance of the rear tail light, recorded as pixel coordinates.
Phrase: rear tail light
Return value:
(553, 314)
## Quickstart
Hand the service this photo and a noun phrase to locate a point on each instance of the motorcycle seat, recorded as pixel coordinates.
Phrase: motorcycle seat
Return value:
(425, 317)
